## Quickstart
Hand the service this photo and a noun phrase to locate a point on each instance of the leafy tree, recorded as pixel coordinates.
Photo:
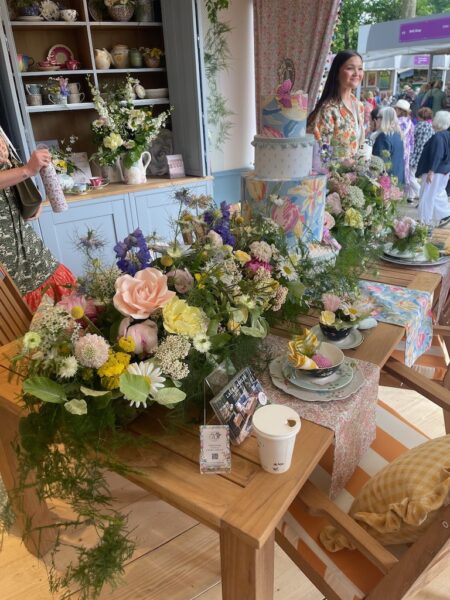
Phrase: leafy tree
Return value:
(358, 12)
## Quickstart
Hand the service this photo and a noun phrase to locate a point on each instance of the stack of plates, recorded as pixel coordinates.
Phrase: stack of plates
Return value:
(340, 385)
(411, 259)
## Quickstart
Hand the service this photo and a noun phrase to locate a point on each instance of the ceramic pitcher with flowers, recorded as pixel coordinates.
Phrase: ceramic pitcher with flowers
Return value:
(137, 173)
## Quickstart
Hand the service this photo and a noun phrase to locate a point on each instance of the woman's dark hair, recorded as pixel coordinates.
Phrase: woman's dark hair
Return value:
(331, 89)
(425, 113)
(374, 113)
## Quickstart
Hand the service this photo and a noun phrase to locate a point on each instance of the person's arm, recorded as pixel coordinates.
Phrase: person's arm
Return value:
(38, 159)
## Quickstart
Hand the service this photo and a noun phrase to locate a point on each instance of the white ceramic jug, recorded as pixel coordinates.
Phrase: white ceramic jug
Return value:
(103, 59)
(136, 174)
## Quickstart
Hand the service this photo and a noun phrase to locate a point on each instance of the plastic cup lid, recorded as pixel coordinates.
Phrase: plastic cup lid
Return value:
(276, 420)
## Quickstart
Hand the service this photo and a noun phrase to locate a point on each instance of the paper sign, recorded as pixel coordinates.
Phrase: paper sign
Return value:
(215, 453)
(176, 166)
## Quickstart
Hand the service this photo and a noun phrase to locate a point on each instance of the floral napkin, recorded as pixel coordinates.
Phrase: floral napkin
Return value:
(402, 306)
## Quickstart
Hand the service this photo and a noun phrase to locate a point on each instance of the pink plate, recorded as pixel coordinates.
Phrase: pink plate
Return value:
(60, 53)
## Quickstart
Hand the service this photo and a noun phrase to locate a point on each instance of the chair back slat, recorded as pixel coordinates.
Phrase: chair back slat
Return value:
(15, 315)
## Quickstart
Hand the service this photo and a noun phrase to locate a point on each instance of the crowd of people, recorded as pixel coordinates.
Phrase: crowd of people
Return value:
(409, 132)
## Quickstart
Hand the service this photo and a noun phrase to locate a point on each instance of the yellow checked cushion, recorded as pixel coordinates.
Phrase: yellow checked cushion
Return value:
(401, 500)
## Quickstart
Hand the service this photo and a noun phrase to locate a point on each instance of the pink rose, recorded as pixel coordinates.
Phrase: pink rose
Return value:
(331, 302)
(328, 221)
(144, 334)
(402, 229)
(254, 265)
(182, 280)
(141, 295)
(333, 203)
(87, 304)
(287, 215)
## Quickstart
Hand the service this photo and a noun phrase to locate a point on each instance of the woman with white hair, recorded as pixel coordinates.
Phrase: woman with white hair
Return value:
(389, 144)
(434, 168)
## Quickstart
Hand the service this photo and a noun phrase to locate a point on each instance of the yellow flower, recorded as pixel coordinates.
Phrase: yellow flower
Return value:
(242, 256)
(353, 218)
(127, 344)
(327, 317)
(234, 327)
(112, 141)
(123, 358)
(77, 312)
(183, 319)
(115, 365)
(200, 278)
(166, 260)
(239, 220)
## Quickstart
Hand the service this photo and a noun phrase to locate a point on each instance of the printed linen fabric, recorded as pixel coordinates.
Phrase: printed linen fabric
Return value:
(22, 252)
(350, 442)
(294, 30)
(336, 126)
(403, 306)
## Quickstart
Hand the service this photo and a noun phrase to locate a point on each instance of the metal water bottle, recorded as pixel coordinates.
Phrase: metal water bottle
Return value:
(53, 189)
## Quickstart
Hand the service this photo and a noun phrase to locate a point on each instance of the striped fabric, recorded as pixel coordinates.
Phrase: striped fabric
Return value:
(433, 364)
(347, 572)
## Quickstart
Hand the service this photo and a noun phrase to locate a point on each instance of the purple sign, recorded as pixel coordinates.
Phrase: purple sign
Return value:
(425, 30)
(422, 59)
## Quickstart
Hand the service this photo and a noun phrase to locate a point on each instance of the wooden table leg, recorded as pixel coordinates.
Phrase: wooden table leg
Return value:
(29, 509)
(246, 571)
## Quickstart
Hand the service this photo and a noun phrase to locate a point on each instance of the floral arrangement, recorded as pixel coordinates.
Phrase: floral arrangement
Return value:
(58, 85)
(411, 236)
(61, 156)
(340, 313)
(151, 52)
(122, 130)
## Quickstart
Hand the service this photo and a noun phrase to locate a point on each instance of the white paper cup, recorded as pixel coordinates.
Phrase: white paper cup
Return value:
(275, 434)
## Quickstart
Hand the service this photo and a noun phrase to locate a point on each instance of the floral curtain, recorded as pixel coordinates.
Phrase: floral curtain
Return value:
(298, 33)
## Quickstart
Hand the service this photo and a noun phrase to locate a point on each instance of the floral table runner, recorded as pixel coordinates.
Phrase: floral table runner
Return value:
(353, 420)
(402, 306)
(444, 271)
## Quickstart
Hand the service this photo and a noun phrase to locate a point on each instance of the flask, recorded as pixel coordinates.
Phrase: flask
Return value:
(53, 189)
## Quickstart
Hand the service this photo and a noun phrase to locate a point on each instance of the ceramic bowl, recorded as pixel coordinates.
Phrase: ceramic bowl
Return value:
(334, 354)
(334, 334)
(157, 93)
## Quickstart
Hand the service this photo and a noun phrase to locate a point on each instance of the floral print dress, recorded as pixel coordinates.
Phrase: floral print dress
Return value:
(407, 129)
(338, 126)
(22, 252)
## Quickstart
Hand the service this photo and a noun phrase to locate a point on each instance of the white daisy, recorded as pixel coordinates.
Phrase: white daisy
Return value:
(68, 367)
(201, 343)
(287, 270)
(151, 373)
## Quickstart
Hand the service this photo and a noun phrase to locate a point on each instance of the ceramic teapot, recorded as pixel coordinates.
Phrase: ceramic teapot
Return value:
(120, 56)
(103, 58)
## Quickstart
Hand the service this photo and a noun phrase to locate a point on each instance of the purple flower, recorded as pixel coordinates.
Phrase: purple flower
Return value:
(131, 261)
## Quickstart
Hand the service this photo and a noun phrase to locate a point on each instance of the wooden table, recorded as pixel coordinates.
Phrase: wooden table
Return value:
(244, 506)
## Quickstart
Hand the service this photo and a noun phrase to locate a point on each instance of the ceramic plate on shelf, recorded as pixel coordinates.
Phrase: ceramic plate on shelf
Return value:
(97, 10)
(61, 53)
(354, 339)
(93, 188)
(335, 381)
(50, 10)
(35, 18)
(281, 382)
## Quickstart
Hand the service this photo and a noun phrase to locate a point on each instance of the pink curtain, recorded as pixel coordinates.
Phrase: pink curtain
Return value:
(298, 30)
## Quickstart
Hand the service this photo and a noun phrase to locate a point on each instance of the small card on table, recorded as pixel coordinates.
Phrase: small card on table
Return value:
(215, 453)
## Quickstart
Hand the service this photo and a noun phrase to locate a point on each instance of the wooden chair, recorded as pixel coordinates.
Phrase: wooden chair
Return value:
(15, 315)
(371, 571)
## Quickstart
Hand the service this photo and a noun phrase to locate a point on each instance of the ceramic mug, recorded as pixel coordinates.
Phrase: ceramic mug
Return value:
(68, 14)
(75, 98)
(24, 61)
(33, 88)
(74, 88)
(57, 99)
(34, 99)
(96, 181)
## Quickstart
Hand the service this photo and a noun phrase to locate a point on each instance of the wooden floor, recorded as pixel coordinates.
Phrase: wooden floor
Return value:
(177, 558)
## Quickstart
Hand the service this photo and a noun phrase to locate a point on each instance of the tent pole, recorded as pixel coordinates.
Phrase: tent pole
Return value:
(430, 67)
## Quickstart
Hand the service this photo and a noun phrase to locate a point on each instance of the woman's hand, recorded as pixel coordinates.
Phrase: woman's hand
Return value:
(429, 178)
(39, 159)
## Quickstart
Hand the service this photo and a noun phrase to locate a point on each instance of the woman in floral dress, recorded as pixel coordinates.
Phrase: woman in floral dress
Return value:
(338, 118)
(403, 110)
(27, 260)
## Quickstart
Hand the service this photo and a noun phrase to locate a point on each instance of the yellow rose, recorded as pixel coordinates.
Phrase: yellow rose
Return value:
(353, 218)
(113, 141)
(242, 256)
(183, 319)
(327, 317)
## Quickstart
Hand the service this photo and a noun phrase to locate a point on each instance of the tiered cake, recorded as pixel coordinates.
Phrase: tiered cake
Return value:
(282, 186)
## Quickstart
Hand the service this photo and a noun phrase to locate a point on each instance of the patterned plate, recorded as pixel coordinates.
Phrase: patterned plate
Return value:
(61, 53)
(354, 339)
(280, 381)
(335, 381)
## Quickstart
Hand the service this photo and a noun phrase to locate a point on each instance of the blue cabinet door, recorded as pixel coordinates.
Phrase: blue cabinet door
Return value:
(109, 217)
(157, 210)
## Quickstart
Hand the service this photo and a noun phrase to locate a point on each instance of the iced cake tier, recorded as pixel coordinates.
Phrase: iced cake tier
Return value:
(286, 159)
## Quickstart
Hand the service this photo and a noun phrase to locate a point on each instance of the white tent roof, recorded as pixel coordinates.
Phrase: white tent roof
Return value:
(422, 35)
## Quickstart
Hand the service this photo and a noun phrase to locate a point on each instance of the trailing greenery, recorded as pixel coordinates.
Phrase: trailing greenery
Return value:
(216, 57)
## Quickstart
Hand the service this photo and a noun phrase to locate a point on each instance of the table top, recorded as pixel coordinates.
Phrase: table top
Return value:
(247, 500)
